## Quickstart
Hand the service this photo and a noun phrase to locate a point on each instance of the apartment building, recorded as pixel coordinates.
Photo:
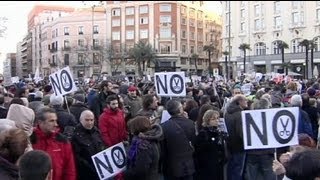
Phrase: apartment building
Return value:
(263, 25)
(24, 59)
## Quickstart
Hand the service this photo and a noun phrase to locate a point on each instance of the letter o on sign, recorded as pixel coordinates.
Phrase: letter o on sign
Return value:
(118, 159)
(275, 122)
(176, 84)
(66, 80)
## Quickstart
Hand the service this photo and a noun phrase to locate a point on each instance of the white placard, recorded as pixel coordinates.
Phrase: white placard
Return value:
(62, 82)
(15, 79)
(165, 116)
(110, 162)
(270, 128)
(170, 84)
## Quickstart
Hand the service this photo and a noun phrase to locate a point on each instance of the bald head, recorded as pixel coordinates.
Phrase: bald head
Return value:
(87, 119)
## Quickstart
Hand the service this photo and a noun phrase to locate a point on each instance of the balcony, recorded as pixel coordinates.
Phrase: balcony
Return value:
(52, 64)
(297, 25)
(68, 48)
(277, 28)
(96, 47)
(53, 50)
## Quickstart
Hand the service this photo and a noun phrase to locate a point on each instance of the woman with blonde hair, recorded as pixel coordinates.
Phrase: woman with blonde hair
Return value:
(13, 143)
(209, 148)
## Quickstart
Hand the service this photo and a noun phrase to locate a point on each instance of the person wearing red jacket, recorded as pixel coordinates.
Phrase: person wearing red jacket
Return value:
(46, 137)
(112, 124)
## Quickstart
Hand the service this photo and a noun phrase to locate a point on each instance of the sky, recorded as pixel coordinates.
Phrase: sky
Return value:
(17, 14)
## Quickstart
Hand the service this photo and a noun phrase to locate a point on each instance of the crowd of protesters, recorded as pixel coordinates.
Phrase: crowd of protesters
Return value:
(44, 136)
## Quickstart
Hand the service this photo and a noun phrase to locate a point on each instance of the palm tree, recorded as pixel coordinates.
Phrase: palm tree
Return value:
(226, 53)
(283, 45)
(142, 52)
(305, 43)
(312, 46)
(195, 58)
(244, 47)
(209, 48)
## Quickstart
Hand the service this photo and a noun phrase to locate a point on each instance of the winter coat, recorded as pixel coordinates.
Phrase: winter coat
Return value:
(133, 104)
(64, 118)
(304, 124)
(314, 116)
(234, 125)
(177, 147)
(8, 171)
(91, 96)
(144, 155)
(86, 143)
(77, 109)
(60, 151)
(3, 112)
(209, 153)
(22, 116)
(112, 127)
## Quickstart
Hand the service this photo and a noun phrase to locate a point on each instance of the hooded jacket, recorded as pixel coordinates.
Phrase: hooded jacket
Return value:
(144, 155)
(22, 116)
(60, 151)
(234, 125)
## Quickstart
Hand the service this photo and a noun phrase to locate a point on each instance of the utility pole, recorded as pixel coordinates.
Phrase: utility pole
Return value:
(229, 38)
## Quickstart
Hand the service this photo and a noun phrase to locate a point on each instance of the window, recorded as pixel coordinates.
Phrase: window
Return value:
(56, 32)
(116, 12)
(200, 50)
(200, 24)
(183, 48)
(143, 33)
(191, 49)
(200, 37)
(80, 30)
(183, 21)
(277, 22)
(183, 61)
(129, 10)
(257, 10)
(144, 20)
(191, 13)
(257, 24)
(318, 14)
(165, 7)
(183, 34)
(165, 48)
(260, 48)
(192, 35)
(95, 29)
(66, 31)
(165, 19)
(191, 21)
(199, 14)
(276, 7)
(295, 46)
(130, 35)
(116, 35)
(115, 22)
(275, 47)
(66, 44)
(66, 59)
(80, 58)
(297, 18)
(96, 58)
(143, 9)
(242, 27)
(295, 4)
(130, 22)
(183, 10)
(242, 13)
(81, 42)
(95, 43)
(316, 42)
(165, 32)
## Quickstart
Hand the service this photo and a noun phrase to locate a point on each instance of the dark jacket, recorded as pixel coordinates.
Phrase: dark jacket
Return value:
(304, 124)
(99, 103)
(8, 171)
(86, 143)
(77, 109)
(64, 118)
(234, 125)
(3, 112)
(144, 155)
(209, 153)
(177, 147)
(314, 116)
(133, 105)
(91, 96)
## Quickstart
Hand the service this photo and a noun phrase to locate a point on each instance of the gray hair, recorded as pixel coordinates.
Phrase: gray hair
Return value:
(263, 103)
(173, 107)
(296, 101)
(84, 113)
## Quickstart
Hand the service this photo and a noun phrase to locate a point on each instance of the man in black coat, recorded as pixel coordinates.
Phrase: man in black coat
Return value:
(3, 110)
(86, 142)
(235, 141)
(177, 148)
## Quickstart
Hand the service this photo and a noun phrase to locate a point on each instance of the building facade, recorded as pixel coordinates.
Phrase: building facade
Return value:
(9, 68)
(24, 57)
(263, 25)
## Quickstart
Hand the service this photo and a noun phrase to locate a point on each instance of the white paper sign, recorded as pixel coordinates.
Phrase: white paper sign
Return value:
(62, 82)
(15, 79)
(110, 162)
(270, 128)
(165, 116)
(170, 84)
